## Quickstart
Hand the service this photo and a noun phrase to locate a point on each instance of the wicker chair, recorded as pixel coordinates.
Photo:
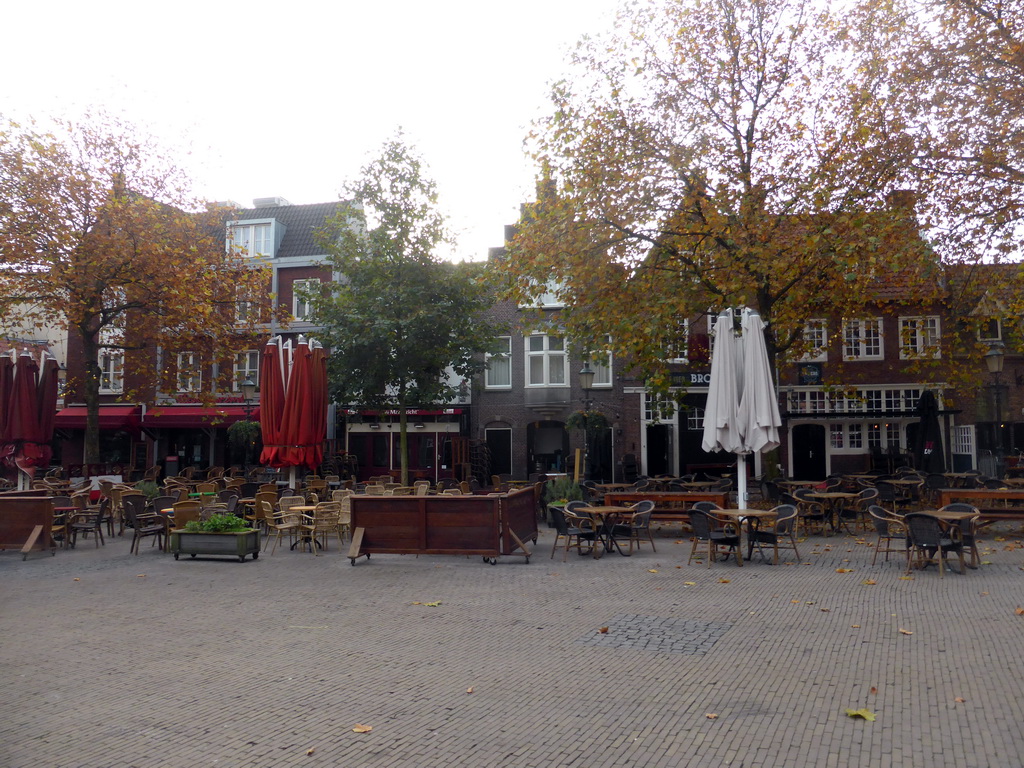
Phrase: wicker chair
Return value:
(781, 530)
(637, 526)
(928, 540)
(890, 529)
(968, 529)
(716, 532)
(575, 532)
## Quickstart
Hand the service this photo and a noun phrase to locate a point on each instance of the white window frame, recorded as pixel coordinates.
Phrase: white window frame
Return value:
(505, 358)
(603, 370)
(964, 439)
(247, 238)
(302, 307)
(247, 365)
(983, 328)
(190, 373)
(659, 410)
(677, 348)
(861, 336)
(548, 356)
(920, 337)
(111, 362)
(548, 298)
(816, 337)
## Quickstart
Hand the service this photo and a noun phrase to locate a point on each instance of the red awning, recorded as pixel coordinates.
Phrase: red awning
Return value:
(195, 416)
(111, 417)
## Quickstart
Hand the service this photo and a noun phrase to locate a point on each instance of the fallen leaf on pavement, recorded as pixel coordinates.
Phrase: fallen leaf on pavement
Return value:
(469, 690)
(77, 579)
(711, 716)
(865, 713)
(960, 700)
(869, 582)
(844, 570)
(825, 610)
(652, 570)
(690, 583)
(905, 632)
(855, 626)
(873, 690)
(359, 728)
(603, 630)
(140, 575)
(1019, 611)
(723, 581)
(311, 750)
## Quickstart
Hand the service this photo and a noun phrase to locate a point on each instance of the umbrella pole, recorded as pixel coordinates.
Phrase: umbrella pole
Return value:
(741, 481)
(291, 479)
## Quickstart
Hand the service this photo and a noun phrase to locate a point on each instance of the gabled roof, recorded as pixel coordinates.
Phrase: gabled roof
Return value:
(301, 224)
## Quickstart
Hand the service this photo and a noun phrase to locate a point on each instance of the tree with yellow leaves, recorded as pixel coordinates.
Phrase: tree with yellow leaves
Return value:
(99, 236)
(715, 153)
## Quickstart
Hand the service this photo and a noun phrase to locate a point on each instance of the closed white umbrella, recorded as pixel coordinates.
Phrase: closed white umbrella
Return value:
(721, 413)
(759, 408)
(742, 413)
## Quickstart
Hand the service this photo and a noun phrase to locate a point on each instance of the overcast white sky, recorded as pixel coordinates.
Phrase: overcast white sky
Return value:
(291, 98)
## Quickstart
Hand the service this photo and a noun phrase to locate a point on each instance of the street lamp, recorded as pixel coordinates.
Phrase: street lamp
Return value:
(248, 394)
(586, 375)
(248, 387)
(994, 361)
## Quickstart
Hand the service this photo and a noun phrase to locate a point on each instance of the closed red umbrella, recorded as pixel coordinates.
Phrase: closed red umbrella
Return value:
(28, 435)
(48, 386)
(319, 398)
(299, 429)
(295, 405)
(272, 390)
(6, 388)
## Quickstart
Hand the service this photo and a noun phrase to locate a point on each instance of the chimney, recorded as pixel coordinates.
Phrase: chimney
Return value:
(269, 202)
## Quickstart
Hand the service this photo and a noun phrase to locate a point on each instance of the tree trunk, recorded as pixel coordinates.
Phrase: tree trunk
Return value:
(91, 390)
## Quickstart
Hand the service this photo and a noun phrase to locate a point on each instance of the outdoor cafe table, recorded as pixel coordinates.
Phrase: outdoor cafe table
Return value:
(833, 500)
(614, 487)
(799, 483)
(741, 516)
(605, 517)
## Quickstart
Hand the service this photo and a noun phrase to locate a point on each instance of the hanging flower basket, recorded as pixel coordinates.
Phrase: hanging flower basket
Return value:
(594, 422)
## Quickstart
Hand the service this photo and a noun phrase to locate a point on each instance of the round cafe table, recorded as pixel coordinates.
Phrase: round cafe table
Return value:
(605, 518)
(740, 516)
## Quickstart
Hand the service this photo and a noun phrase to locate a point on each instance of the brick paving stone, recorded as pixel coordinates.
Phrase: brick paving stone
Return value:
(144, 661)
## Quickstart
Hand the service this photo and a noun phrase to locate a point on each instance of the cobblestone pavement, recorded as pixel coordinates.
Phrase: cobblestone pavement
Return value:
(112, 660)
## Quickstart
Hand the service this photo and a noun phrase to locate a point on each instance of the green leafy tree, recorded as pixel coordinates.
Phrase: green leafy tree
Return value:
(715, 153)
(399, 319)
(100, 236)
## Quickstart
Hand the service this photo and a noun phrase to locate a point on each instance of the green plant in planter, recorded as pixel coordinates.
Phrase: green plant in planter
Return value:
(563, 489)
(148, 487)
(217, 524)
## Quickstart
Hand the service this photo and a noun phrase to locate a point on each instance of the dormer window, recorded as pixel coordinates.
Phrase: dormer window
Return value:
(251, 240)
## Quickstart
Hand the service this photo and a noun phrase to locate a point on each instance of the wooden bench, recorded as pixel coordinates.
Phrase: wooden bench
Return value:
(987, 501)
(669, 506)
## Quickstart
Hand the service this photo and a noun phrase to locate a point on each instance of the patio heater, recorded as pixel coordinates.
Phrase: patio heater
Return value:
(586, 375)
(994, 361)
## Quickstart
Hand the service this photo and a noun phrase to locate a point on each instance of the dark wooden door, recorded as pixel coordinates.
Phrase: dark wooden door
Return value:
(807, 441)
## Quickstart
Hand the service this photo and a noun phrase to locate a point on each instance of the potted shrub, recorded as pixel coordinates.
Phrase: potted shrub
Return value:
(218, 535)
(561, 491)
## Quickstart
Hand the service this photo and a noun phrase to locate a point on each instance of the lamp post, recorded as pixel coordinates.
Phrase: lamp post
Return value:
(248, 395)
(586, 375)
(248, 387)
(994, 361)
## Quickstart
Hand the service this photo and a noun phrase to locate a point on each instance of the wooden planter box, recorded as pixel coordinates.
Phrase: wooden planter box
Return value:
(232, 543)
